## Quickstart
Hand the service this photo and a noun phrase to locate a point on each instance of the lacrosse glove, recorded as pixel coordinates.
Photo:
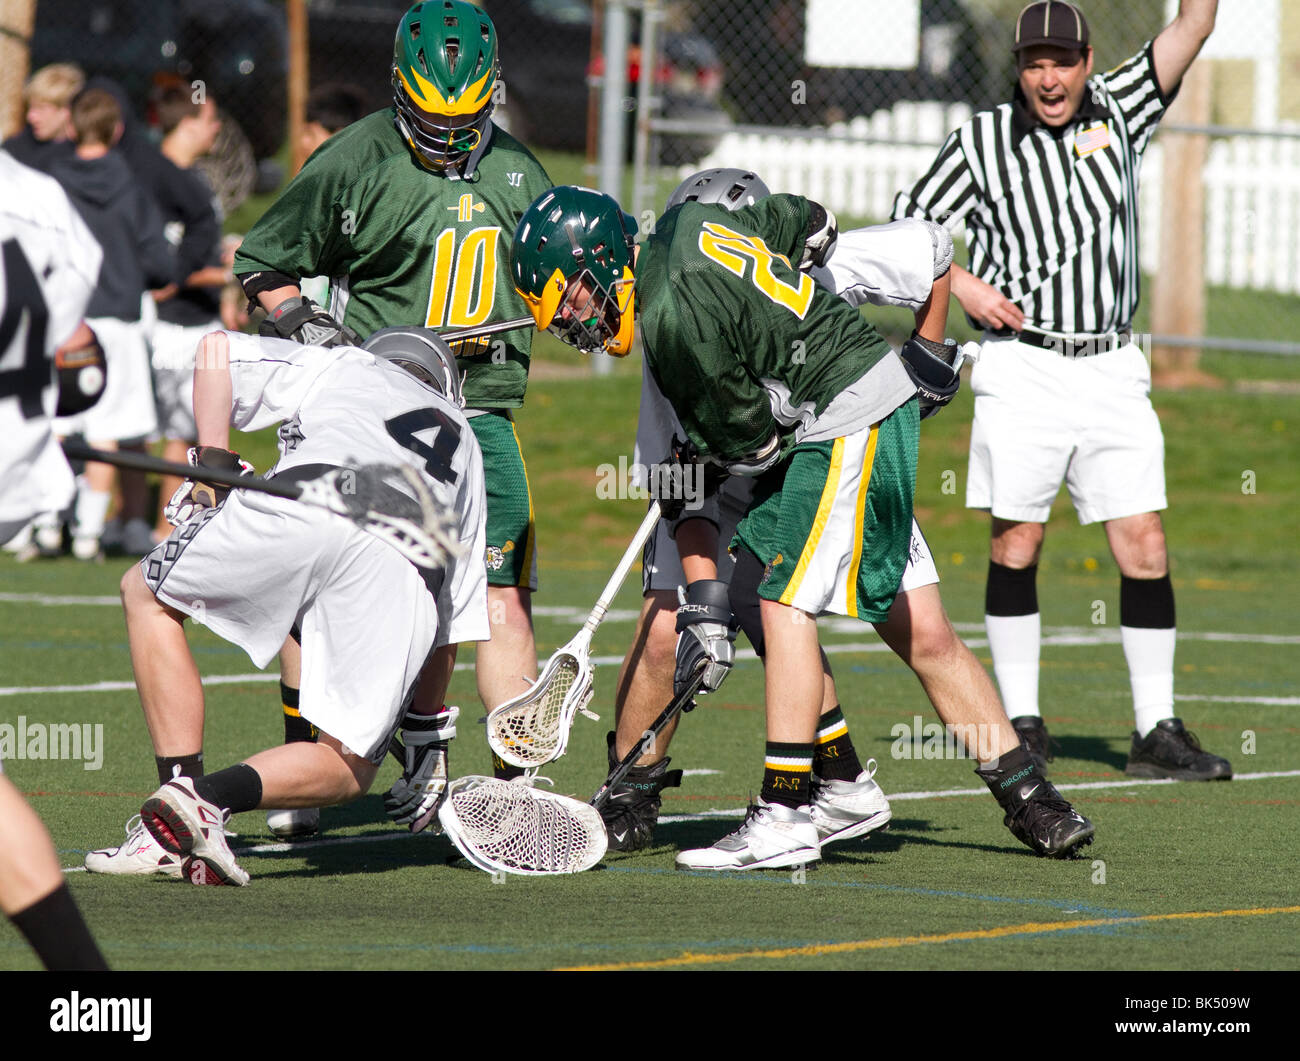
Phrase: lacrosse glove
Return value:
(930, 366)
(193, 495)
(416, 796)
(819, 240)
(706, 631)
(301, 320)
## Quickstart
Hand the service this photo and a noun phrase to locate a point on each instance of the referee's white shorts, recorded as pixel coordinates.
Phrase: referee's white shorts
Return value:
(253, 566)
(661, 567)
(1041, 418)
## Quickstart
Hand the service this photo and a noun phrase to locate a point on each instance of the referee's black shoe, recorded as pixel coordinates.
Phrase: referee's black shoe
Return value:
(1033, 735)
(1169, 751)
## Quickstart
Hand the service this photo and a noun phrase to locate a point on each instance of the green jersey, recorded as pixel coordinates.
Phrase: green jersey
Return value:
(404, 245)
(743, 345)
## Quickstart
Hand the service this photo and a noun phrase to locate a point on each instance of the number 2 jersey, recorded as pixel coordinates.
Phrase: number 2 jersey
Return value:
(405, 246)
(743, 345)
(344, 407)
(48, 269)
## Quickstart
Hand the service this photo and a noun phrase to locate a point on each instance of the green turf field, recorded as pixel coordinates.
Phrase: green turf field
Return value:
(1181, 875)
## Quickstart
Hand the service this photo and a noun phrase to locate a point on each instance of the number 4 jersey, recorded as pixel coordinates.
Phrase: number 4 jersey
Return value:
(344, 407)
(48, 268)
(743, 345)
(403, 245)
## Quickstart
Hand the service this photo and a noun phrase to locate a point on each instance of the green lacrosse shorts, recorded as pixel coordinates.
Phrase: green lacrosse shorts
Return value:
(511, 530)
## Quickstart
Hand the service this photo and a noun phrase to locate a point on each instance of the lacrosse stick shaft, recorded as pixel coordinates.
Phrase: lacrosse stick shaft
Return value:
(616, 580)
(144, 463)
(674, 708)
(480, 330)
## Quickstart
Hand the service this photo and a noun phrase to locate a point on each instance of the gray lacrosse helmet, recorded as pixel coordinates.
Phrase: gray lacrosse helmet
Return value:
(732, 188)
(424, 354)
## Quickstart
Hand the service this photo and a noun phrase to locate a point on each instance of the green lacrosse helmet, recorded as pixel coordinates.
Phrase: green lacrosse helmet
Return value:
(571, 234)
(444, 72)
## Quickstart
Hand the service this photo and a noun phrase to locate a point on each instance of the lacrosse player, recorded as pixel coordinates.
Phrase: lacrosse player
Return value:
(405, 210)
(250, 566)
(49, 263)
(885, 265)
(829, 436)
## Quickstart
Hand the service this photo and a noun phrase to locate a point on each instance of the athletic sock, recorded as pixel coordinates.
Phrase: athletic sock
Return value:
(170, 766)
(787, 769)
(835, 758)
(503, 771)
(1015, 631)
(1148, 633)
(92, 507)
(236, 788)
(58, 933)
(296, 728)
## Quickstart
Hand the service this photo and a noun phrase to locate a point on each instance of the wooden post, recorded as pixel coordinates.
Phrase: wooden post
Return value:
(1178, 296)
(17, 20)
(298, 80)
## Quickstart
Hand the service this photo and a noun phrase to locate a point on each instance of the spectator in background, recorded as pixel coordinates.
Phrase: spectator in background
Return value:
(136, 258)
(191, 218)
(48, 95)
(331, 107)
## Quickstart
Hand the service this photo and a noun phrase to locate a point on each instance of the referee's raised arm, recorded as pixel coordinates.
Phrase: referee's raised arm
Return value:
(1180, 41)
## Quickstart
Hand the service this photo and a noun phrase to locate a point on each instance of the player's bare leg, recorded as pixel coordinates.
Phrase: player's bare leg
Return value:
(165, 673)
(505, 665)
(645, 681)
(309, 775)
(919, 632)
(33, 894)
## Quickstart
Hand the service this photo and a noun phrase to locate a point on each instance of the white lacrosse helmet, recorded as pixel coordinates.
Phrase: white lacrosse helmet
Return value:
(424, 354)
(732, 188)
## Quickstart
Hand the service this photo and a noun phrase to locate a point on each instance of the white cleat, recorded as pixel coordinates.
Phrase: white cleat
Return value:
(298, 824)
(189, 826)
(140, 856)
(842, 810)
(773, 836)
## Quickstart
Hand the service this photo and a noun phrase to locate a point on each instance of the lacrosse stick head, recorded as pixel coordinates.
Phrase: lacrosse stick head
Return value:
(533, 728)
(511, 827)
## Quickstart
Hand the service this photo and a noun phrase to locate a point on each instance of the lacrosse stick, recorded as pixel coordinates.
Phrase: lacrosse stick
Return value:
(678, 704)
(480, 330)
(511, 827)
(373, 496)
(533, 728)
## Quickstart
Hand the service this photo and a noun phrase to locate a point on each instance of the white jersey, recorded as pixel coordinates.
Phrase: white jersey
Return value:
(344, 407)
(48, 270)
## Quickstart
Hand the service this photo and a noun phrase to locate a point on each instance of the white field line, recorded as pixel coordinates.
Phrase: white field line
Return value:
(730, 812)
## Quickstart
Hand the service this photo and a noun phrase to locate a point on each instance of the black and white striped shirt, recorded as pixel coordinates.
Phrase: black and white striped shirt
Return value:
(1051, 215)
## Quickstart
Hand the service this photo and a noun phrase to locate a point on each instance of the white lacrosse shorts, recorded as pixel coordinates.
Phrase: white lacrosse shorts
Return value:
(172, 358)
(1041, 419)
(251, 568)
(126, 409)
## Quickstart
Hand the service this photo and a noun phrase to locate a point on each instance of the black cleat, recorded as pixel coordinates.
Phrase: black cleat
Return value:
(1169, 751)
(1037, 814)
(632, 810)
(1034, 738)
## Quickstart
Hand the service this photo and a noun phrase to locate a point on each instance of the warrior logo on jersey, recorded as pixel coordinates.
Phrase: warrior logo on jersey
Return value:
(515, 179)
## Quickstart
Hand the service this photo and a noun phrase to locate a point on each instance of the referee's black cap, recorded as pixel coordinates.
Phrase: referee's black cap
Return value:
(1051, 22)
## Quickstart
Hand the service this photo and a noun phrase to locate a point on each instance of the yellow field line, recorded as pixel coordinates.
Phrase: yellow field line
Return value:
(890, 942)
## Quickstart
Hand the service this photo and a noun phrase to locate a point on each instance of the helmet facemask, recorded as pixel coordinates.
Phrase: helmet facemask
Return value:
(590, 315)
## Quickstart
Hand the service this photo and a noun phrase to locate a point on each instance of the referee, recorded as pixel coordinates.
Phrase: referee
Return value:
(1047, 188)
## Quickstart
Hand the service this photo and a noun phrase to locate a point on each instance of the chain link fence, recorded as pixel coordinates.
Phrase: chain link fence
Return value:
(847, 101)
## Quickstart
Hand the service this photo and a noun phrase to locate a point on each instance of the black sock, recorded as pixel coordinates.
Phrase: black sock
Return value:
(1010, 590)
(236, 788)
(58, 933)
(503, 771)
(1147, 603)
(296, 728)
(787, 769)
(190, 766)
(835, 758)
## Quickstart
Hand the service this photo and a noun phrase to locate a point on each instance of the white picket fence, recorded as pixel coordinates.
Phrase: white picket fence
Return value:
(1252, 185)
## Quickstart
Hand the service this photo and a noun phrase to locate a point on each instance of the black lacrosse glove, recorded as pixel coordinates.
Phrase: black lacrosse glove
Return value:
(706, 632)
(195, 494)
(683, 454)
(819, 239)
(930, 366)
(301, 320)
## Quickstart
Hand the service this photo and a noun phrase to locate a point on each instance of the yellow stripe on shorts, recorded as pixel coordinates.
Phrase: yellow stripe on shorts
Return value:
(824, 507)
(526, 566)
(851, 587)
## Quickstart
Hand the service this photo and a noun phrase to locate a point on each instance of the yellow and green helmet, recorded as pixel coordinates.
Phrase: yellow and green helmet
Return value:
(572, 261)
(444, 74)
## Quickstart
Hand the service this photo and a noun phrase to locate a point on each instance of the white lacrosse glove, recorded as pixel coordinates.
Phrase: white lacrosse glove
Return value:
(416, 796)
(194, 494)
(819, 240)
(706, 630)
